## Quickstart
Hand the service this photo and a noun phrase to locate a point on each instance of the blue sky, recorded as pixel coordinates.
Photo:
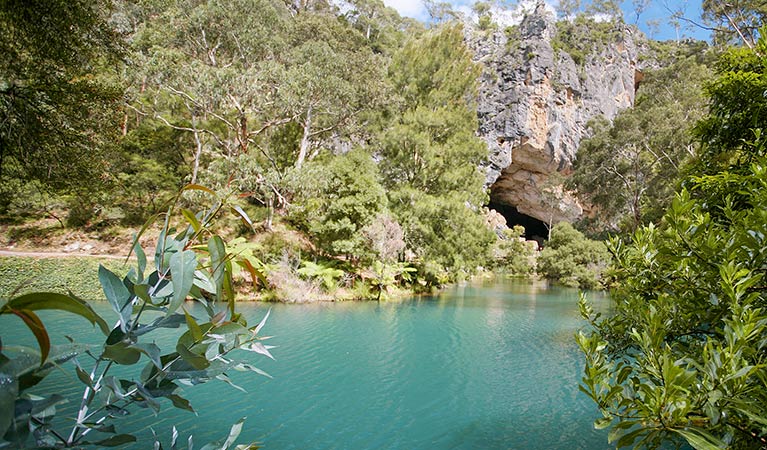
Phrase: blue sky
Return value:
(659, 10)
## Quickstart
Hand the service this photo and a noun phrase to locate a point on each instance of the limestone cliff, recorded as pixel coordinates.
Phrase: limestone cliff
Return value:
(534, 104)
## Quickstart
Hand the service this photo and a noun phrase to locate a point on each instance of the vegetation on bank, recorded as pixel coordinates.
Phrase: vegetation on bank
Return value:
(349, 136)
(683, 358)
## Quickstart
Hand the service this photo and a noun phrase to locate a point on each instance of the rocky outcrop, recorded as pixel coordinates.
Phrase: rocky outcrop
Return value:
(534, 105)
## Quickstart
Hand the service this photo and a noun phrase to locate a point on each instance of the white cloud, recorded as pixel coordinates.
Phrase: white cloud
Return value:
(408, 8)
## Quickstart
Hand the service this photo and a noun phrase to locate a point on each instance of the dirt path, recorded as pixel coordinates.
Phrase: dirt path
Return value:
(58, 255)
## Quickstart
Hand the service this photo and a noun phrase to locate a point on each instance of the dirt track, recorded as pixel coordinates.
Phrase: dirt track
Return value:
(58, 255)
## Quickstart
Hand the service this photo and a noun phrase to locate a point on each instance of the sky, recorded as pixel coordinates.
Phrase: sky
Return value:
(659, 11)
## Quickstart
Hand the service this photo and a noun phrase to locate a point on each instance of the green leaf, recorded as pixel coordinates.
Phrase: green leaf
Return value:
(9, 390)
(122, 353)
(192, 219)
(182, 267)
(194, 328)
(243, 215)
(255, 274)
(140, 256)
(152, 351)
(197, 361)
(114, 441)
(180, 402)
(117, 294)
(197, 187)
(147, 398)
(701, 439)
(602, 423)
(48, 300)
(142, 292)
(84, 377)
(628, 438)
(217, 251)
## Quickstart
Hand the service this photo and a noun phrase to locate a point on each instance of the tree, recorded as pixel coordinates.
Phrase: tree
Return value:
(735, 21)
(58, 94)
(628, 169)
(607, 8)
(567, 9)
(430, 152)
(338, 200)
(682, 355)
(382, 26)
(572, 259)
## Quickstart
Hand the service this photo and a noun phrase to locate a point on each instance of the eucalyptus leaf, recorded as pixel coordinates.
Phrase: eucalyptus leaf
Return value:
(9, 390)
(117, 440)
(53, 301)
(182, 267)
(117, 294)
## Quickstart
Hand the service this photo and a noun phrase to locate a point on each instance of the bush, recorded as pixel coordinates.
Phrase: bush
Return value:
(572, 259)
(513, 254)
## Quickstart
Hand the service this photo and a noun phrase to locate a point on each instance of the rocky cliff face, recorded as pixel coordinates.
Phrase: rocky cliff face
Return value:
(535, 102)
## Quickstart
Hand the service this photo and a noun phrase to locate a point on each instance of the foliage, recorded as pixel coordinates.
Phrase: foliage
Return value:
(328, 275)
(737, 104)
(683, 356)
(735, 22)
(383, 277)
(434, 224)
(514, 255)
(192, 263)
(57, 94)
(584, 37)
(430, 152)
(337, 200)
(572, 259)
(628, 169)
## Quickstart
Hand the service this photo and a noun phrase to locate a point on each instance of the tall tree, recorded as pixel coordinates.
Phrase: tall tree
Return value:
(629, 168)
(430, 152)
(58, 92)
(735, 21)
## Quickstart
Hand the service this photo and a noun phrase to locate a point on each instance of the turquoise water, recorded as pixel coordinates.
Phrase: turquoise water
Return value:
(482, 366)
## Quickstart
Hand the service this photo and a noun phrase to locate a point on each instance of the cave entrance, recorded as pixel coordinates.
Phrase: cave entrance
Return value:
(535, 230)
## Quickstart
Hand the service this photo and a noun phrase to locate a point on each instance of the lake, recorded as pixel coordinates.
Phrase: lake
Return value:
(480, 366)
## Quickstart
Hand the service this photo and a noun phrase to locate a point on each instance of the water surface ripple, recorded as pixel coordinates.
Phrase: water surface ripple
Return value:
(482, 366)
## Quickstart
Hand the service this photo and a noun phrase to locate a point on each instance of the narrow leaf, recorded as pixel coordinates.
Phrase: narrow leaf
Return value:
(114, 441)
(243, 215)
(117, 295)
(37, 328)
(48, 300)
(197, 361)
(194, 328)
(182, 267)
(192, 219)
(180, 402)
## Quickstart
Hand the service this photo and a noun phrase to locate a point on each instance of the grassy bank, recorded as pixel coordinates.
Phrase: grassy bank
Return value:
(19, 275)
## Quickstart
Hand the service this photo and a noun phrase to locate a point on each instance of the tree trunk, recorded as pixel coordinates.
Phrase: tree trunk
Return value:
(243, 134)
(269, 213)
(305, 139)
(198, 151)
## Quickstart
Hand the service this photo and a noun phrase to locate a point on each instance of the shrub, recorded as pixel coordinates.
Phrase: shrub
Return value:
(572, 259)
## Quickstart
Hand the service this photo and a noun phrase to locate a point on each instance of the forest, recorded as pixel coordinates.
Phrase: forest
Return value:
(302, 151)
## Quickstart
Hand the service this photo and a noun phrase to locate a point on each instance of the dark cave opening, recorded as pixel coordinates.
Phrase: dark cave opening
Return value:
(535, 229)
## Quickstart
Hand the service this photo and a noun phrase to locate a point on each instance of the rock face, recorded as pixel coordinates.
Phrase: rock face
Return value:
(534, 104)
